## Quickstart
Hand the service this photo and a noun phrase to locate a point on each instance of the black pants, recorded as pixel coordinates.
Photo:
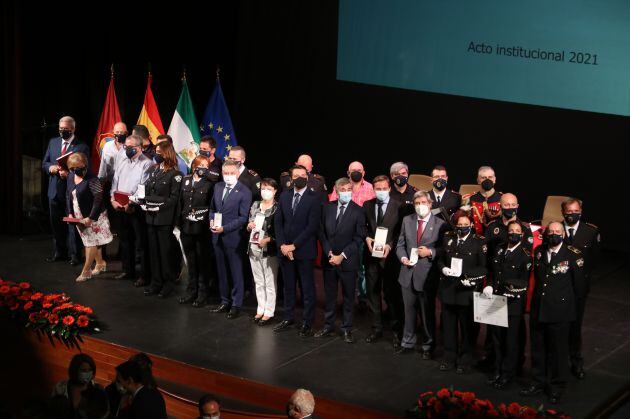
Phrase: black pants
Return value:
(133, 235)
(65, 240)
(575, 334)
(200, 262)
(385, 279)
(162, 254)
(506, 342)
(348, 279)
(550, 352)
(456, 317)
(291, 269)
(415, 302)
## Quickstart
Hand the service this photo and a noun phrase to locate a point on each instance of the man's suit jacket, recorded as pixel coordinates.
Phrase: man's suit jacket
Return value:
(451, 201)
(148, 403)
(57, 185)
(344, 237)
(299, 229)
(235, 213)
(392, 220)
(431, 238)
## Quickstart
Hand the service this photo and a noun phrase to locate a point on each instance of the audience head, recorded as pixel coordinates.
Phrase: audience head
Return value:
(571, 210)
(301, 404)
(209, 407)
(146, 365)
(399, 172)
(67, 126)
(129, 376)
(207, 146)
(486, 178)
(81, 370)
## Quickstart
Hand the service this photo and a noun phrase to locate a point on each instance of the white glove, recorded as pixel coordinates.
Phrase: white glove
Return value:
(487, 291)
(447, 271)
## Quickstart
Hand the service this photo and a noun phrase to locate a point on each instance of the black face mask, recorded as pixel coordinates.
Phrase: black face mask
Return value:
(80, 171)
(462, 231)
(65, 134)
(130, 152)
(439, 184)
(487, 184)
(205, 153)
(202, 172)
(400, 181)
(356, 176)
(514, 238)
(121, 138)
(159, 159)
(572, 218)
(300, 182)
(554, 239)
(509, 212)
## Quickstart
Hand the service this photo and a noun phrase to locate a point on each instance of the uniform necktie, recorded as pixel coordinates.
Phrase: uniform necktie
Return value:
(379, 217)
(296, 201)
(340, 215)
(571, 235)
(226, 193)
(420, 230)
(438, 199)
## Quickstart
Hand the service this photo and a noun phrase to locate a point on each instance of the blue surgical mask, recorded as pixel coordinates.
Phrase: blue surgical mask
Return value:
(345, 197)
(382, 195)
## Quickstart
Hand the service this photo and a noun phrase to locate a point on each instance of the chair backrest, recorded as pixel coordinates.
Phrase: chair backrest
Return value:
(421, 182)
(553, 209)
(468, 189)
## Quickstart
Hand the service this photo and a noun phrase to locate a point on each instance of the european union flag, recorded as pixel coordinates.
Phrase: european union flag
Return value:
(217, 122)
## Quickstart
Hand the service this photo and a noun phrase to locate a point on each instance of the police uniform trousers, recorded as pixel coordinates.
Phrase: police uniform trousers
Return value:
(507, 346)
(162, 248)
(575, 333)
(550, 352)
(197, 250)
(458, 319)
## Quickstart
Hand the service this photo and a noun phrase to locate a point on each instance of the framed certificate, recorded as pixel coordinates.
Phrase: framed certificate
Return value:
(490, 310)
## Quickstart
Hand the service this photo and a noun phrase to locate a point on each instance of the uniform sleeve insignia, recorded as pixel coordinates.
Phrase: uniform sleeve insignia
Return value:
(538, 255)
(530, 239)
(178, 178)
(450, 241)
(529, 265)
(579, 262)
(258, 185)
(599, 238)
(484, 248)
(251, 172)
(187, 182)
(500, 251)
(495, 231)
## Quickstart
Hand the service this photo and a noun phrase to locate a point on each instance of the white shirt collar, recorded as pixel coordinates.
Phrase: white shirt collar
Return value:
(511, 249)
(438, 193)
(301, 191)
(68, 141)
(425, 219)
(574, 227)
(463, 238)
(241, 169)
(554, 250)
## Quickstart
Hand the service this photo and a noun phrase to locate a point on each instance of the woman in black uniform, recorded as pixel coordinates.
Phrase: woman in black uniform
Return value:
(464, 248)
(511, 265)
(160, 203)
(193, 223)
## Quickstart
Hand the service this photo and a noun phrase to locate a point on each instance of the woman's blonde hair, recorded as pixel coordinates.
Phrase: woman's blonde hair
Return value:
(76, 160)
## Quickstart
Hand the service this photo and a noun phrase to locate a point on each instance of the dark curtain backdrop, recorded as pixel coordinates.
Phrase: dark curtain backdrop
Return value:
(278, 61)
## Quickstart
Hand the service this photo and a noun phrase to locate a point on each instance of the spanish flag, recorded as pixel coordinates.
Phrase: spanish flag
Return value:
(105, 132)
(149, 115)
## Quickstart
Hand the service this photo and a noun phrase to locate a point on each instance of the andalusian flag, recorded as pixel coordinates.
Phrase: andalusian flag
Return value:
(105, 131)
(184, 128)
(149, 115)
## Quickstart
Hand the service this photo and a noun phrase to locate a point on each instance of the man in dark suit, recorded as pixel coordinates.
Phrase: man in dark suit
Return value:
(316, 183)
(585, 237)
(65, 240)
(421, 233)
(341, 234)
(381, 273)
(559, 272)
(440, 195)
(296, 221)
(232, 200)
(146, 402)
(246, 176)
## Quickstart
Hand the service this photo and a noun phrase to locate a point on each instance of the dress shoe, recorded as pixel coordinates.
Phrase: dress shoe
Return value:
(532, 390)
(233, 313)
(199, 303)
(221, 308)
(347, 337)
(165, 293)
(445, 366)
(186, 300)
(283, 325)
(325, 333)
(150, 291)
(426, 355)
(56, 259)
(256, 319)
(263, 322)
(403, 351)
(502, 383)
(373, 337)
(493, 379)
(123, 275)
(460, 370)
(74, 261)
(141, 282)
(578, 372)
(305, 331)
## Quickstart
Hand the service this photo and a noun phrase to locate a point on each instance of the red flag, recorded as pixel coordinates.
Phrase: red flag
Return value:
(109, 116)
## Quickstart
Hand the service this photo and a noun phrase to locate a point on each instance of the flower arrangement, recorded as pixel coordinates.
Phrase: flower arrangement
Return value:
(449, 403)
(52, 314)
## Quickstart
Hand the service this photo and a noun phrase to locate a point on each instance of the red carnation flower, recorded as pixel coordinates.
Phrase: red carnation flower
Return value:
(444, 393)
(15, 290)
(68, 321)
(5, 289)
(47, 305)
(427, 393)
(33, 317)
(25, 285)
(28, 306)
(88, 311)
(53, 319)
(83, 321)
(43, 314)
(514, 409)
(14, 307)
(468, 397)
(37, 296)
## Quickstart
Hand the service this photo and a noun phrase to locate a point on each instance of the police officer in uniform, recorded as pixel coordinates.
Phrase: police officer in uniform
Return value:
(585, 237)
(456, 290)
(559, 271)
(485, 203)
(162, 190)
(193, 222)
(208, 148)
(247, 177)
(442, 196)
(315, 183)
(402, 191)
(511, 266)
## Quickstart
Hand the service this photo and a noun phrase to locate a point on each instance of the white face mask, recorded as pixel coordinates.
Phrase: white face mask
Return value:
(422, 210)
(266, 194)
(229, 180)
(85, 376)
(345, 197)
(381, 195)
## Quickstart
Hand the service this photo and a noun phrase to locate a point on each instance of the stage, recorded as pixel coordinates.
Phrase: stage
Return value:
(365, 375)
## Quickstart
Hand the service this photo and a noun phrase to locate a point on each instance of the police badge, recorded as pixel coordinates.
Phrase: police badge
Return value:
(178, 178)
(579, 262)
(496, 231)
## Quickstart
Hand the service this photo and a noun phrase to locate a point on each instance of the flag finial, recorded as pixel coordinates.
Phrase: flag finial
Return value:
(149, 68)
(218, 72)
(184, 73)
(111, 70)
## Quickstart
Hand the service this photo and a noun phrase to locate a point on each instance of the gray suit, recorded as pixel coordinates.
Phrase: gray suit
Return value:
(413, 278)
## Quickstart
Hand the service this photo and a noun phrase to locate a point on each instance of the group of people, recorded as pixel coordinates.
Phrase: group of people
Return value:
(133, 394)
(384, 240)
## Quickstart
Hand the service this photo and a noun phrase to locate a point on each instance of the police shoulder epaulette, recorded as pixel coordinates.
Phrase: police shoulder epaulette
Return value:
(496, 220)
(574, 250)
(593, 226)
(526, 251)
(449, 233)
(251, 172)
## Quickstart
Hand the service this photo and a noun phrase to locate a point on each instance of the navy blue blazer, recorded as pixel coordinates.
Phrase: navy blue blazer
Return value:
(299, 229)
(57, 185)
(89, 195)
(345, 237)
(234, 211)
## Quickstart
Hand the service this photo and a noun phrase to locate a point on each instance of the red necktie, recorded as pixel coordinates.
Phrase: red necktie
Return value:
(420, 230)
(65, 146)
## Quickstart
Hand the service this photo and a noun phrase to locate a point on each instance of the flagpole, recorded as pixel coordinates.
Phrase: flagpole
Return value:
(218, 71)
(111, 71)
(184, 73)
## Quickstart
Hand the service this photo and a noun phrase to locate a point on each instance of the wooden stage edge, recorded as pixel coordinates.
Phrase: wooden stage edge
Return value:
(55, 357)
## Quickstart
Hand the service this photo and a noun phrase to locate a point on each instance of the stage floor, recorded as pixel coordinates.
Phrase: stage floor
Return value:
(361, 374)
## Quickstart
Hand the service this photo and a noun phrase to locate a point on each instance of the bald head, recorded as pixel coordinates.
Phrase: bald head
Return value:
(301, 404)
(509, 200)
(120, 128)
(306, 161)
(355, 166)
